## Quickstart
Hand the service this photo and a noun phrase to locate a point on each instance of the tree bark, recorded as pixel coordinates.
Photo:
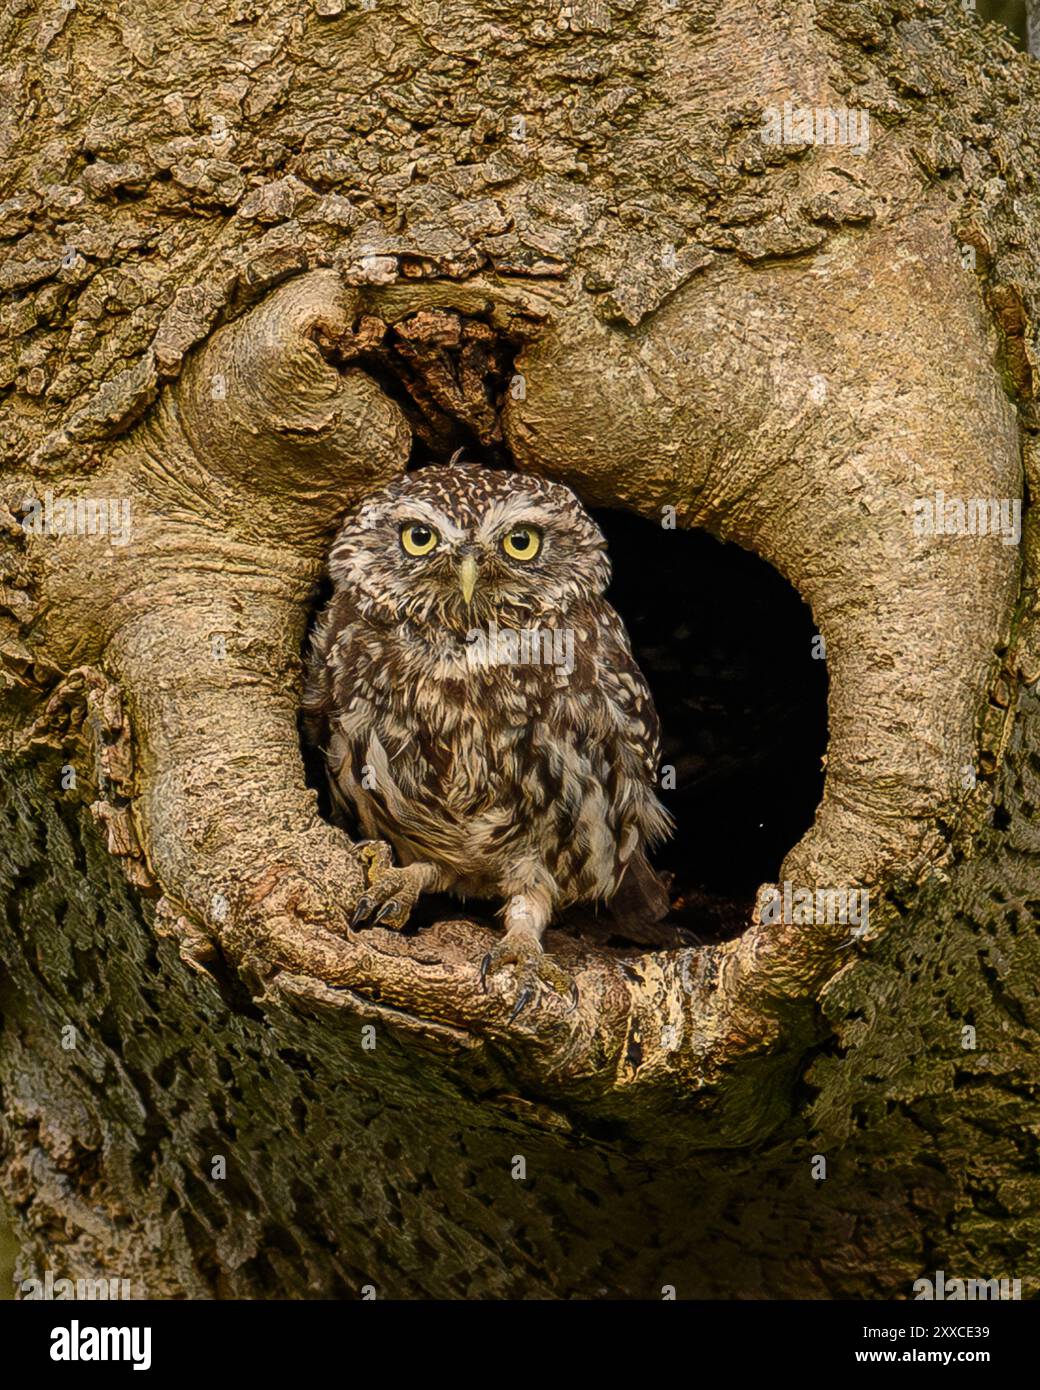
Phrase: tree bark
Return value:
(1033, 27)
(224, 232)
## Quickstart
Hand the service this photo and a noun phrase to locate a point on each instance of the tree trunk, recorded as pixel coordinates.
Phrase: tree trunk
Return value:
(258, 261)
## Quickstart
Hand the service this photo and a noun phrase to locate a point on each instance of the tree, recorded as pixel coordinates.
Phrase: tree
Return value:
(771, 267)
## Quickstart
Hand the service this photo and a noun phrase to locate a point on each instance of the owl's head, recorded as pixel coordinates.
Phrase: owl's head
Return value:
(460, 545)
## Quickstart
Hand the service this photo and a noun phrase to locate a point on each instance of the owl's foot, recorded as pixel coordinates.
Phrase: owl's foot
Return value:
(390, 893)
(533, 970)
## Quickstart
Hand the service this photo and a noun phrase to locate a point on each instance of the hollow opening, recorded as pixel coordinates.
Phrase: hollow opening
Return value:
(728, 648)
(730, 652)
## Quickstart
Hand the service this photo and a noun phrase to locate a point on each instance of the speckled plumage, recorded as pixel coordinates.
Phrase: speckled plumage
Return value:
(526, 782)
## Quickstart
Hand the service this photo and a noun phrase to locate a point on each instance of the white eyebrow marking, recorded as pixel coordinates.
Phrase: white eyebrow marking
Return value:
(415, 509)
(510, 511)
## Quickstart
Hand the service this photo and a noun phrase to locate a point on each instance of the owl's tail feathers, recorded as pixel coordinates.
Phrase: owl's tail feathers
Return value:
(642, 896)
(635, 913)
(658, 823)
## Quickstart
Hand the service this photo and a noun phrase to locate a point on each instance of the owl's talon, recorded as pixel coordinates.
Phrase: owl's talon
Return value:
(362, 911)
(390, 892)
(526, 995)
(534, 970)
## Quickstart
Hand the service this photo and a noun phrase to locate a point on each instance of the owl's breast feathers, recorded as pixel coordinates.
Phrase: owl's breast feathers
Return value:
(485, 764)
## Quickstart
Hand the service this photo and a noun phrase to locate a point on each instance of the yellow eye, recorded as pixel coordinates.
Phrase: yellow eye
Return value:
(417, 539)
(522, 543)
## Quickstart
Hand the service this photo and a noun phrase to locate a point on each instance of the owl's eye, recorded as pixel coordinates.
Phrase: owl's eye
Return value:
(417, 539)
(522, 543)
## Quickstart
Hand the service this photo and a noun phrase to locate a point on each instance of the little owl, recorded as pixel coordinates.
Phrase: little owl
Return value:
(479, 708)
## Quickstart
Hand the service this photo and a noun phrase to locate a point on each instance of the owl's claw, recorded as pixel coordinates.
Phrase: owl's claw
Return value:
(362, 911)
(391, 913)
(367, 906)
(525, 997)
(534, 969)
(390, 893)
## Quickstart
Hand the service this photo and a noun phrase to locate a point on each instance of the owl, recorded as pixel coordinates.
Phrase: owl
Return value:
(479, 709)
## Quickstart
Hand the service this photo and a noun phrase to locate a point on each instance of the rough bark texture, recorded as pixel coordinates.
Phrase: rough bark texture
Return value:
(222, 227)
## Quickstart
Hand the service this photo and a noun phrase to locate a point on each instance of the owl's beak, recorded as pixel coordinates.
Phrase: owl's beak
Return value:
(467, 577)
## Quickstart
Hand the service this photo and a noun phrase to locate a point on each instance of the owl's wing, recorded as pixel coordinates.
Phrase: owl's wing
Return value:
(317, 685)
(642, 897)
(632, 744)
(624, 687)
(330, 678)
